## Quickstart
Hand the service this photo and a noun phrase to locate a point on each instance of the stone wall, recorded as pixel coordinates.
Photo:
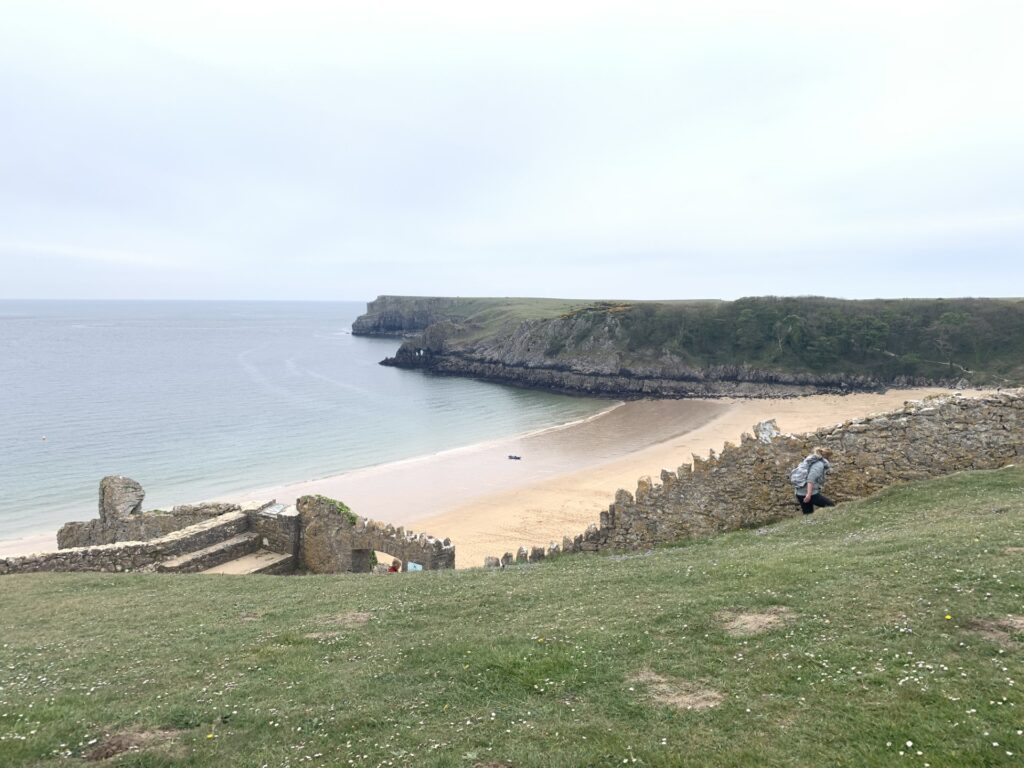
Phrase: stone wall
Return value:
(321, 535)
(333, 540)
(139, 526)
(121, 517)
(748, 485)
(130, 555)
(279, 526)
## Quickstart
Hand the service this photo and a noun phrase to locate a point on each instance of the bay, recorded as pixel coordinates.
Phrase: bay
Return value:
(205, 399)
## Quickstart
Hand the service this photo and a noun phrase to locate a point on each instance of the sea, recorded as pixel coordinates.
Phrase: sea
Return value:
(200, 400)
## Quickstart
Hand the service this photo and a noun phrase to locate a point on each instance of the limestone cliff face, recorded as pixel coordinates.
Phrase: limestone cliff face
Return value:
(401, 315)
(575, 355)
(595, 349)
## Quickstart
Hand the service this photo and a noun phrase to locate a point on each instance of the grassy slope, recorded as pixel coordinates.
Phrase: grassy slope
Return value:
(532, 666)
(488, 316)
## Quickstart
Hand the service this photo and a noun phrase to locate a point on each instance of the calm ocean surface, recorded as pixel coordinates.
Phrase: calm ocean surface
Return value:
(203, 399)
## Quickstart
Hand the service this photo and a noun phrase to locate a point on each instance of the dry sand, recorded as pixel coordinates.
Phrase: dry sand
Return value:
(488, 504)
(539, 512)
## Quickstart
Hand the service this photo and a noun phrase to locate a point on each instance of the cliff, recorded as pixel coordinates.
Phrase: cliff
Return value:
(751, 347)
(401, 315)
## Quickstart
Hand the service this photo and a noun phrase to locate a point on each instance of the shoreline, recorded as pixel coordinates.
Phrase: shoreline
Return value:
(45, 539)
(487, 504)
(435, 483)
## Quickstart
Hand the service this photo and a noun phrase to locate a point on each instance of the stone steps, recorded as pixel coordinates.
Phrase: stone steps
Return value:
(202, 535)
(213, 555)
(264, 561)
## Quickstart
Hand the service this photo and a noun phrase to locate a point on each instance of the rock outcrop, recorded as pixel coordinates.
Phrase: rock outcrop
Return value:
(401, 315)
(121, 517)
(120, 497)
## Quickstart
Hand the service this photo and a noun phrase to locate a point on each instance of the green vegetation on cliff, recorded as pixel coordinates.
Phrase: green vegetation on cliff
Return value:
(793, 340)
(475, 317)
(886, 626)
(936, 338)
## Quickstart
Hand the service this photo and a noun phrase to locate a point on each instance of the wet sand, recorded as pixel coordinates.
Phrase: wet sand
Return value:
(488, 504)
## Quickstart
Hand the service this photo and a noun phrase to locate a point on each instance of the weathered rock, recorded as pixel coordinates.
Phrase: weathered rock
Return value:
(492, 562)
(766, 431)
(133, 524)
(119, 497)
(402, 315)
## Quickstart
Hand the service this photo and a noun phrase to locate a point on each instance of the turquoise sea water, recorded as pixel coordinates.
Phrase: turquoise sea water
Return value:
(203, 399)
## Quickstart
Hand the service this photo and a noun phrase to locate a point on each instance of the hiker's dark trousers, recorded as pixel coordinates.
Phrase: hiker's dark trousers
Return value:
(817, 500)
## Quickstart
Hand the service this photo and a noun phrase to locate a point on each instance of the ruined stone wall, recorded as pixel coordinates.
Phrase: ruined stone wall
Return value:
(321, 536)
(278, 525)
(336, 541)
(748, 485)
(137, 526)
(130, 555)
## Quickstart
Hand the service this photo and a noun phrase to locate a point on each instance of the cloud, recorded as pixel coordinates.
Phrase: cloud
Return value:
(21, 250)
(341, 144)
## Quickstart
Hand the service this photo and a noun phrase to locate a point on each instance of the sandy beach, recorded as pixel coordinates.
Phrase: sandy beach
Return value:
(488, 504)
(545, 510)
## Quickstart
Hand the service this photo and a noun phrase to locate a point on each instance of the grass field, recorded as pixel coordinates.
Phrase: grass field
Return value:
(883, 632)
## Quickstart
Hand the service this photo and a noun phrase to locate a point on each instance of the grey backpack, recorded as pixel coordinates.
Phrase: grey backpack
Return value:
(798, 476)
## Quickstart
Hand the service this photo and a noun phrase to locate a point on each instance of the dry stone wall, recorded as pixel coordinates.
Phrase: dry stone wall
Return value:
(337, 541)
(321, 535)
(121, 517)
(130, 555)
(747, 485)
(278, 527)
(139, 526)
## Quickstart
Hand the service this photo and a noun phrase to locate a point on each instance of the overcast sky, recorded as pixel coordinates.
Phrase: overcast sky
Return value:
(340, 150)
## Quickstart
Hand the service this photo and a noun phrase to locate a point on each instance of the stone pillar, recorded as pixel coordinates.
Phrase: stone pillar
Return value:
(119, 497)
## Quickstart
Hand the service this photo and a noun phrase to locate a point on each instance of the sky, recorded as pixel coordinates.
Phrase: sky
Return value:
(635, 150)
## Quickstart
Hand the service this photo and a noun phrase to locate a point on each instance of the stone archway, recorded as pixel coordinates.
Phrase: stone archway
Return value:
(335, 540)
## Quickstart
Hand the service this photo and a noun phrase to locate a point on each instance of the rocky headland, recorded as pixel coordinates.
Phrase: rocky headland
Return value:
(402, 315)
(750, 348)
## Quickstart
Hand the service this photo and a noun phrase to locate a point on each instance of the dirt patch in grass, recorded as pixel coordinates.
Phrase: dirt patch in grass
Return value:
(999, 631)
(249, 616)
(740, 624)
(342, 620)
(135, 741)
(350, 619)
(321, 635)
(1013, 551)
(680, 694)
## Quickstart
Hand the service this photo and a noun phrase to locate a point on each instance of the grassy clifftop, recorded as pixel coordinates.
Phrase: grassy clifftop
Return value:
(891, 625)
(820, 342)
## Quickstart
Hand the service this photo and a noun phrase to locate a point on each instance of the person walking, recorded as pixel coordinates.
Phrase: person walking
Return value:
(815, 468)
